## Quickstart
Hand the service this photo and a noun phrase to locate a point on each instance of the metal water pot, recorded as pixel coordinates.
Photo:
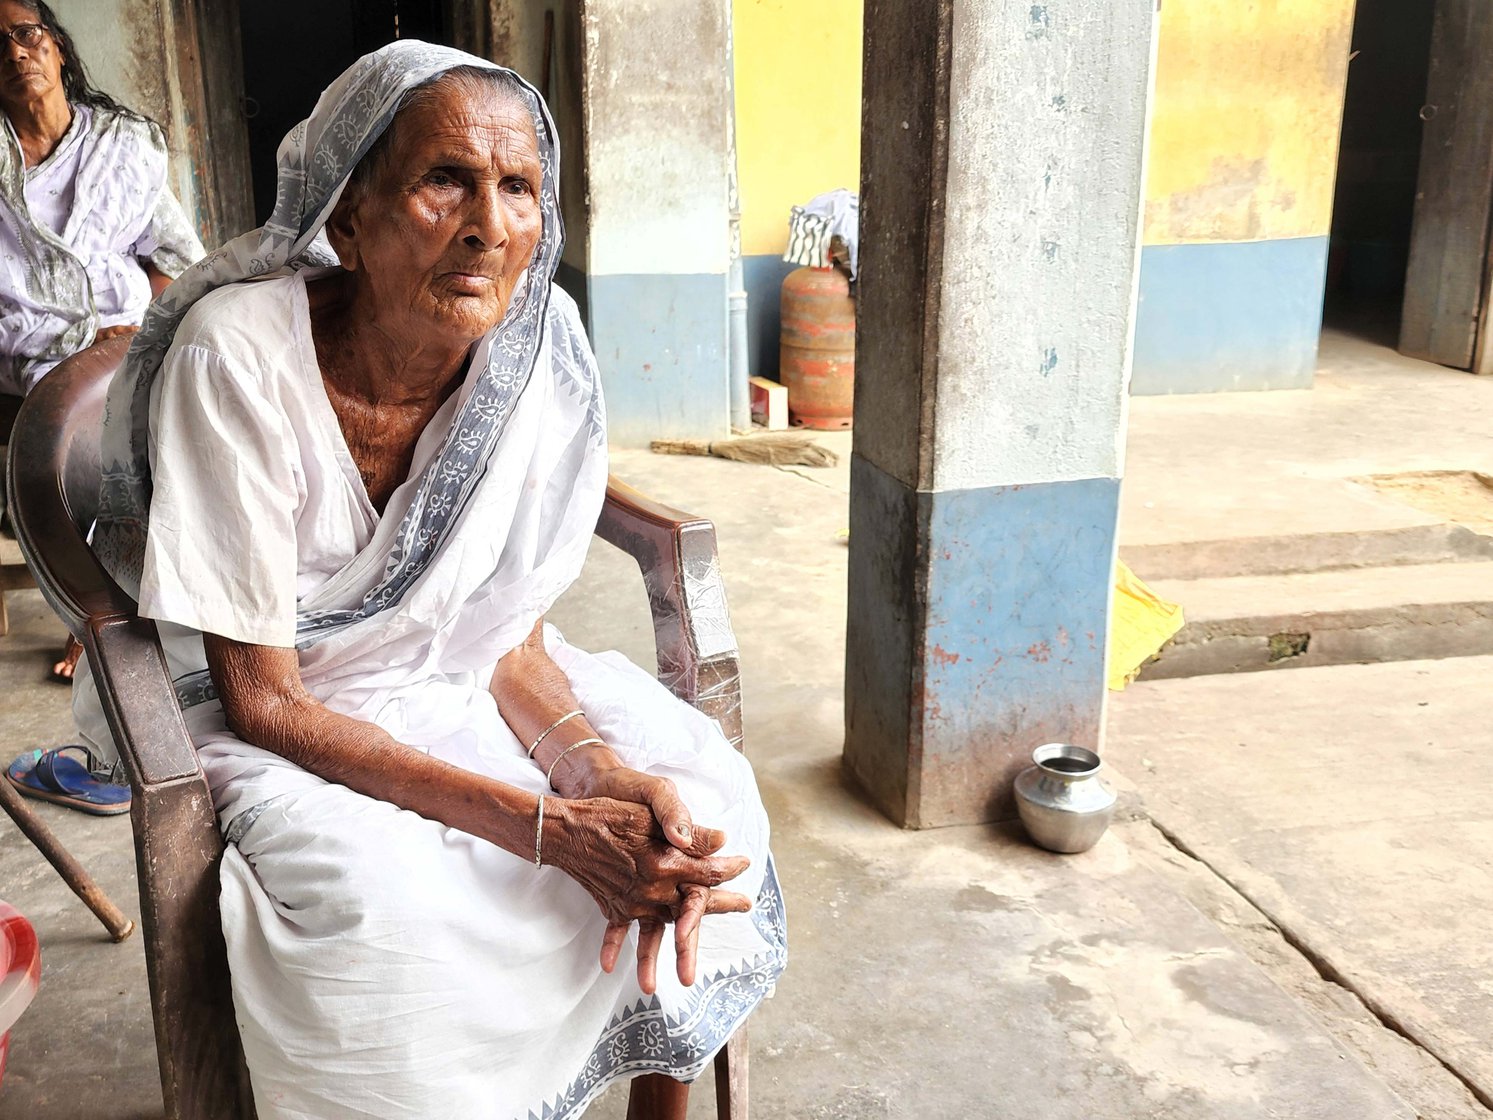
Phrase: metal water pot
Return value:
(1062, 802)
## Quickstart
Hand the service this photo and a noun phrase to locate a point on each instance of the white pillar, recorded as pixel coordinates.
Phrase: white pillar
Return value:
(1002, 151)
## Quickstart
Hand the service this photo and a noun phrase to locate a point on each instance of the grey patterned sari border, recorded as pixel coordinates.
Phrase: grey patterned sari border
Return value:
(643, 1039)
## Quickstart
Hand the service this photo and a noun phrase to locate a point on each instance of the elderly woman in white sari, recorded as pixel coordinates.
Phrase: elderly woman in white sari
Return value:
(351, 460)
(89, 228)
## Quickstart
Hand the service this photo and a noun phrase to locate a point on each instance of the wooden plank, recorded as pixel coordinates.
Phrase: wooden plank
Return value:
(1444, 284)
(210, 64)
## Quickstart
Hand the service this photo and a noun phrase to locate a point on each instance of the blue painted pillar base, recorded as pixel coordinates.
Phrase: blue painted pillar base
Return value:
(976, 630)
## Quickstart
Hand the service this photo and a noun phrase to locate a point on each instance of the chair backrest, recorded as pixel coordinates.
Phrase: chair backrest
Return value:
(53, 484)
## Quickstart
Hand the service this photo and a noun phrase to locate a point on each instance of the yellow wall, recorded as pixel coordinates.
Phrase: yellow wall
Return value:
(1244, 134)
(798, 109)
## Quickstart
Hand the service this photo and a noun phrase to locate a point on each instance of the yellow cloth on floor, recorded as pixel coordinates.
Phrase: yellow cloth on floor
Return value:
(1140, 623)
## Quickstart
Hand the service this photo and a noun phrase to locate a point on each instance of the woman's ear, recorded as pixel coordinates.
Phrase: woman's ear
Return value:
(342, 228)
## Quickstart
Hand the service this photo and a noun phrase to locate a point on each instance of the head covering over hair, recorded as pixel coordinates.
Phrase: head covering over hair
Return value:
(315, 160)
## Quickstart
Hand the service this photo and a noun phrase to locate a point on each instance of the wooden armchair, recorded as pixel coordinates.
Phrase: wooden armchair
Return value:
(53, 484)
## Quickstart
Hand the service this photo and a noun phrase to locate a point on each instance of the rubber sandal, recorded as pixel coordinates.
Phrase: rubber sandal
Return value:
(56, 776)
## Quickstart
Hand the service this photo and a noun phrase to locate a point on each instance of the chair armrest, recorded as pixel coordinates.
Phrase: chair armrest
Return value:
(140, 703)
(697, 657)
(177, 851)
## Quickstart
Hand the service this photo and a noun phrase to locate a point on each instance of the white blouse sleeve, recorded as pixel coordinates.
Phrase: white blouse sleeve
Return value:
(168, 240)
(220, 555)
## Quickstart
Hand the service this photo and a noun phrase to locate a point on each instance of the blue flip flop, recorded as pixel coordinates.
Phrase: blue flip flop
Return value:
(56, 776)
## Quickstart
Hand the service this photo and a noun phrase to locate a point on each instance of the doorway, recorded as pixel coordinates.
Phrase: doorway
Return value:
(292, 49)
(1378, 162)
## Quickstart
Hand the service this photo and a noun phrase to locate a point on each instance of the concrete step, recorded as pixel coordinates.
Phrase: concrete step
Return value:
(1345, 616)
(1308, 552)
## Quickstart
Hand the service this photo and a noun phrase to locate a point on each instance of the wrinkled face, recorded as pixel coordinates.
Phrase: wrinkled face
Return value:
(26, 73)
(441, 233)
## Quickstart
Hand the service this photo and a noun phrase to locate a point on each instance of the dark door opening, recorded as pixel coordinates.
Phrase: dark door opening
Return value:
(1374, 200)
(292, 51)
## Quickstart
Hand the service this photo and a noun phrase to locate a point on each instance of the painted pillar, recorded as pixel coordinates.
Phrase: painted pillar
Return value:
(1239, 193)
(1001, 189)
(658, 249)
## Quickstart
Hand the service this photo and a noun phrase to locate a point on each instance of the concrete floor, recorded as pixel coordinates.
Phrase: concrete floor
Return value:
(961, 971)
(1226, 466)
(1350, 804)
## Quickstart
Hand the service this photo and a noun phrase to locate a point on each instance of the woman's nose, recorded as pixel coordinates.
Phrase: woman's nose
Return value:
(487, 224)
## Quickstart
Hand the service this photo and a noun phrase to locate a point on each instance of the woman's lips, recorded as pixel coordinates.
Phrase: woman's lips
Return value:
(470, 283)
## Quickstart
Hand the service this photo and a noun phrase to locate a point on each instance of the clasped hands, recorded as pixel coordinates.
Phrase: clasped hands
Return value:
(628, 838)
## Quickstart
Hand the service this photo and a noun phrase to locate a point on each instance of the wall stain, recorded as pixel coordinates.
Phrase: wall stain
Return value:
(1226, 206)
(1041, 22)
(943, 656)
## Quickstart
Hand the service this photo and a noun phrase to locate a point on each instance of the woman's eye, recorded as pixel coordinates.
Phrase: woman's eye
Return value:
(518, 186)
(440, 178)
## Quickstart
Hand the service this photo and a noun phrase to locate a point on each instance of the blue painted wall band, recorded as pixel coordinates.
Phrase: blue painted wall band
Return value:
(764, 275)
(1229, 316)
(660, 341)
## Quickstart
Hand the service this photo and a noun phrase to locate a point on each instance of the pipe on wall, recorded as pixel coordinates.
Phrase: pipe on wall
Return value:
(738, 360)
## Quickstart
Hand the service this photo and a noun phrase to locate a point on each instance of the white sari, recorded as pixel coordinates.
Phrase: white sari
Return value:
(385, 965)
(73, 232)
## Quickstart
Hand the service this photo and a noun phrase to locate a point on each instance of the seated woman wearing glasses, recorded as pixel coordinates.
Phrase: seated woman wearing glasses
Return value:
(89, 230)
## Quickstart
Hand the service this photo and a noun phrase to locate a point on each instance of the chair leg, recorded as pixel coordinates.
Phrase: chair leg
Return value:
(4, 616)
(71, 870)
(656, 1096)
(731, 1078)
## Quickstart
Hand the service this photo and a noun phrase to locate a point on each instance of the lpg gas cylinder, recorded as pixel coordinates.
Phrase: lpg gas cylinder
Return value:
(817, 358)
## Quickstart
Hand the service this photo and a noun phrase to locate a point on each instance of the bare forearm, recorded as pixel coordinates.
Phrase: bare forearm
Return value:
(365, 758)
(532, 693)
(291, 723)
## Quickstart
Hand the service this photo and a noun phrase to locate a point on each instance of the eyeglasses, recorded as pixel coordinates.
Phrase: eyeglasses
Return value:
(27, 35)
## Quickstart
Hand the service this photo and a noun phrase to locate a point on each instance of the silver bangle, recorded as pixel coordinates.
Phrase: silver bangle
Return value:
(543, 735)
(578, 743)
(539, 832)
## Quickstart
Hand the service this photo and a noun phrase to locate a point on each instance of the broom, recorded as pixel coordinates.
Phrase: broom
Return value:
(776, 449)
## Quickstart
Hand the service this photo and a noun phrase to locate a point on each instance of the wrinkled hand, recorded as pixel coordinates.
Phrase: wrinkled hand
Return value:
(106, 333)
(673, 817)
(621, 783)
(617, 850)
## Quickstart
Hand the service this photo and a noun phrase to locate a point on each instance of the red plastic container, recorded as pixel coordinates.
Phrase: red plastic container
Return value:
(20, 972)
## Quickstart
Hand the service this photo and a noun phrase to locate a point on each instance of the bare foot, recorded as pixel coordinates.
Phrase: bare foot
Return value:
(62, 672)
